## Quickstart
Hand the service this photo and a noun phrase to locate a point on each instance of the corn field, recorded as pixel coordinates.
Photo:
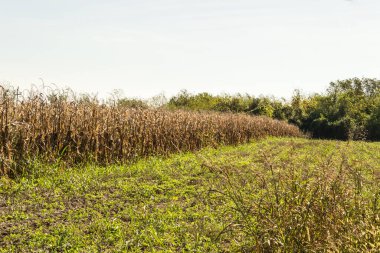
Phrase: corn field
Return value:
(61, 126)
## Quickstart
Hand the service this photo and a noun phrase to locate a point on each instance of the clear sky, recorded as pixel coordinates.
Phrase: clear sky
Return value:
(145, 47)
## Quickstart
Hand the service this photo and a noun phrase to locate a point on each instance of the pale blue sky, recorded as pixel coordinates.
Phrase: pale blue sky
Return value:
(145, 47)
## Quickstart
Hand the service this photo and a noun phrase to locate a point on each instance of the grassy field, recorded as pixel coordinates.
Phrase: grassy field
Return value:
(273, 195)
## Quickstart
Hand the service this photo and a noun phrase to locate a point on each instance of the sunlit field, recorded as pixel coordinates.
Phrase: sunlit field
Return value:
(271, 195)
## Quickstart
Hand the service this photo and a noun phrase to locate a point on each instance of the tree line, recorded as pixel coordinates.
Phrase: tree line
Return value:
(348, 110)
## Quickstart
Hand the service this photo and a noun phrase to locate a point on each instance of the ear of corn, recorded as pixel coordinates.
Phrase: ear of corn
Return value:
(55, 126)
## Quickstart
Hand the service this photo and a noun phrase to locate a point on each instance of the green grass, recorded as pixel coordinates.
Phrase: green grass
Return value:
(278, 194)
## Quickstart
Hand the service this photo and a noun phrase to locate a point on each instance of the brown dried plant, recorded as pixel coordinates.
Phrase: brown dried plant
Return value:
(52, 125)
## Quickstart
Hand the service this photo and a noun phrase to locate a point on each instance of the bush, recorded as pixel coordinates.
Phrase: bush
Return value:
(348, 110)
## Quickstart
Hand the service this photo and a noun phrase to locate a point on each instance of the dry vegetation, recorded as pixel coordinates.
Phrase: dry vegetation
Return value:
(317, 196)
(59, 126)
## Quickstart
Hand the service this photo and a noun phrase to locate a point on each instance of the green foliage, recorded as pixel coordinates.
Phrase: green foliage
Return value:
(296, 196)
(373, 124)
(205, 101)
(348, 110)
(261, 106)
(273, 195)
(132, 103)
